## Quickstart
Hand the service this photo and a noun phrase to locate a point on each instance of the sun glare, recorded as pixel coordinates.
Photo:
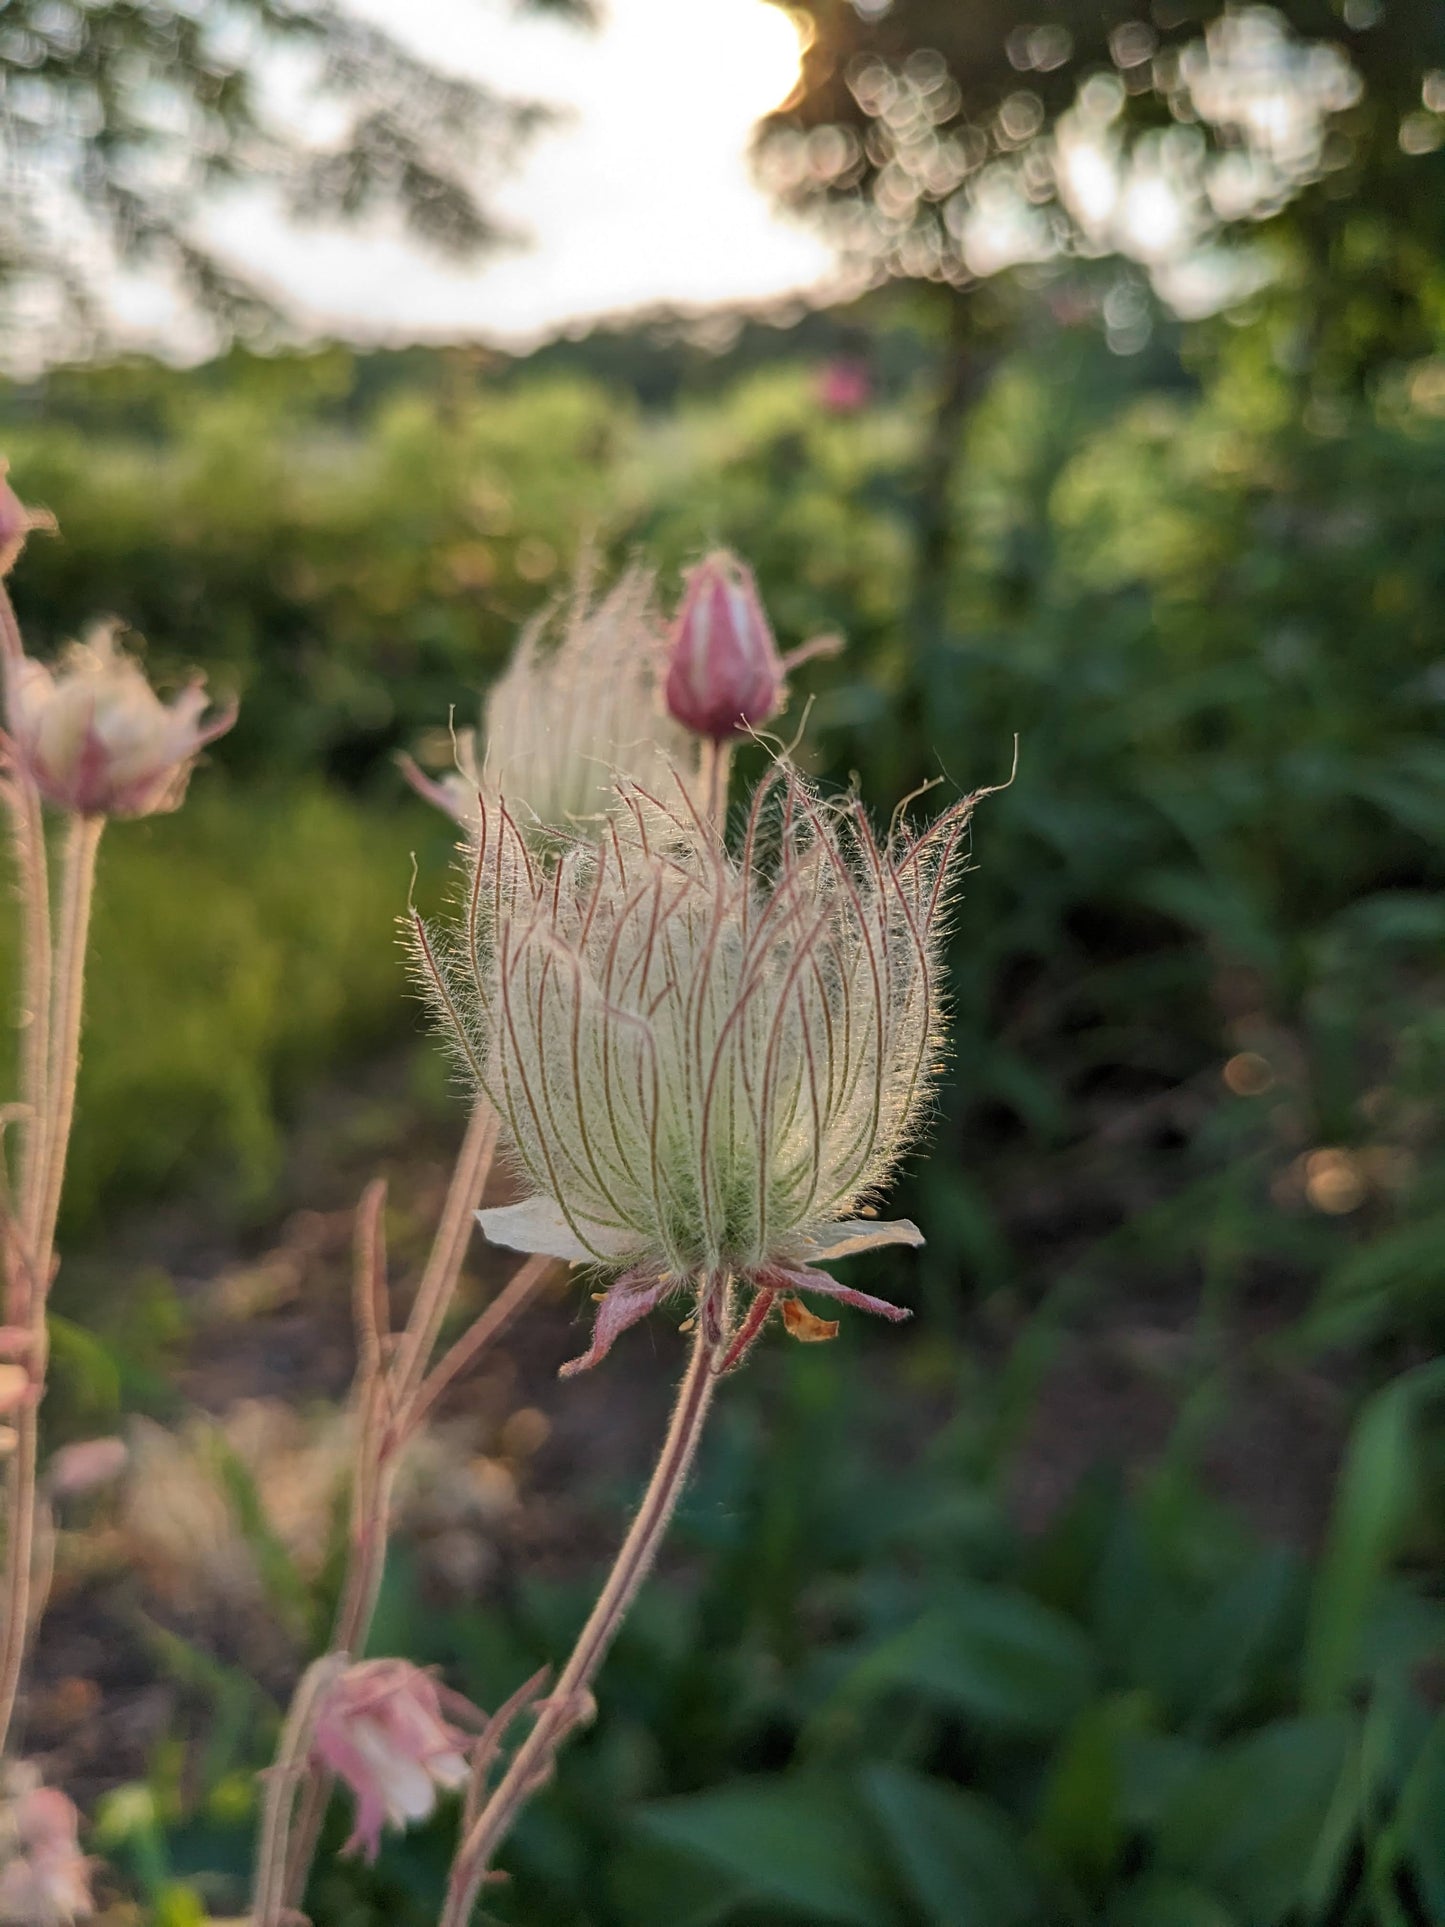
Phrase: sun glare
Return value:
(754, 55)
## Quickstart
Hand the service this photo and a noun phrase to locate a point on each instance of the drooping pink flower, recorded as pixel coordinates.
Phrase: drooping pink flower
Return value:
(382, 1732)
(16, 522)
(95, 738)
(46, 1880)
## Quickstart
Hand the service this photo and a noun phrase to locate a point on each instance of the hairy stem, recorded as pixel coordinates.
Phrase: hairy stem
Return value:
(32, 881)
(569, 1704)
(715, 775)
(77, 887)
(50, 1130)
(268, 1899)
(387, 1391)
(449, 1248)
(518, 1292)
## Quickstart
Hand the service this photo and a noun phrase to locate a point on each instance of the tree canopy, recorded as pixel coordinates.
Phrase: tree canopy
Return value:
(117, 119)
(939, 141)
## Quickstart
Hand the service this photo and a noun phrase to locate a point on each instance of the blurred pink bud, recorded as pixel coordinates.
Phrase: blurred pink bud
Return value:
(724, 672)
(95, 738)
(845, 386)
(381, 1731)
(46, 1881)
(16, 522)
(85, 1466)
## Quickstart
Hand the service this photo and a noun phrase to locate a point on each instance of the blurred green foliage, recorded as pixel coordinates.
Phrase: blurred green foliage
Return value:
(1198, 1047)
(876, 1702)
(239, 949)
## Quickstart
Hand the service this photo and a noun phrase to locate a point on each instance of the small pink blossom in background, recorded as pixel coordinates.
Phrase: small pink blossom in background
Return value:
(16, 522)
(845, 386)
(84, 1466)
(95, 738)
(382, 1732)
(724, 672)
(46, 1880)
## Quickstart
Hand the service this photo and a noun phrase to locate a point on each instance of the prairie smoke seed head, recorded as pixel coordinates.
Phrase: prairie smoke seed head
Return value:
(578, 705)
(382, 1732)
(706, 1064)
(95, 738)
(724, 672)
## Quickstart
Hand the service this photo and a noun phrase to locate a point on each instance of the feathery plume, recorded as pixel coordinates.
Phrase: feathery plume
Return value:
(578, 704)
(707, 1065)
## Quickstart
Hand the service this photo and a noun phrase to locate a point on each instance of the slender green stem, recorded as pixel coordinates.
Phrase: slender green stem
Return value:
(568, 1705)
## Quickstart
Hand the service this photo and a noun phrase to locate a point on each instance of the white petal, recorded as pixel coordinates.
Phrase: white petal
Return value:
(410, 1793)
(449, 1769)
(537, 1225)
(841, 1240)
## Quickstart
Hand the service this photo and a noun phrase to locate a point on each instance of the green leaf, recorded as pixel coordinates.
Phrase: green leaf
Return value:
(786, 1839)
(1162, 1902)
(1247, 1823)
(90, 1373)
(285, 1586)
(1081, 1818)
(1373, 1505)
(178, 1906)
(960, 1856)
(1233, 1636)
(1366, 1290)
(652, 1885)
(993, 1653)
(1422, 1820)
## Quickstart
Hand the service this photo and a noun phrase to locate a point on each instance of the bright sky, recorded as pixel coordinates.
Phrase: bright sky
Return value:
(643, 194)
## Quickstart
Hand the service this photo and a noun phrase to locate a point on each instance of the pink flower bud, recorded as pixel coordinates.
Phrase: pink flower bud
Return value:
(84, 1466)
(45, 1881)
(381, 1731)
(16, 522)
(95, 738)
(724, 672)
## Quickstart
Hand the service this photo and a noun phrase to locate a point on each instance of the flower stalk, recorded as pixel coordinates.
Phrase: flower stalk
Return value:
(91, 739)
(282, 1782)
(51, 1107)
(569, 1705)
(393, 1395)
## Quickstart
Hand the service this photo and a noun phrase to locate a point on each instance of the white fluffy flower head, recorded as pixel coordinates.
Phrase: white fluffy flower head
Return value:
(708, 1064)
(579, 703)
